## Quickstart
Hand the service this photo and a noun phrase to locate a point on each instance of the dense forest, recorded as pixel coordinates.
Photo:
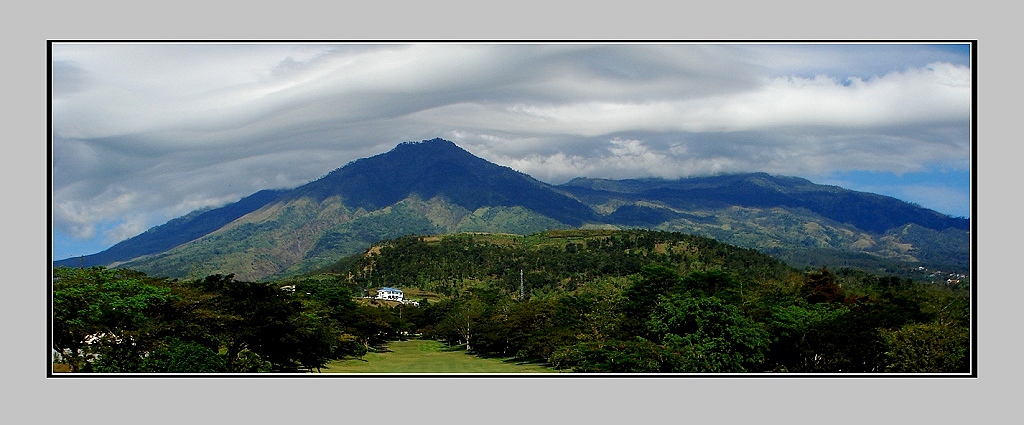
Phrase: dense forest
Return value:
(584, 301)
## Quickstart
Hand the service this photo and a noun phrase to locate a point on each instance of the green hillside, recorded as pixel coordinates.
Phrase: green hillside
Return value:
(550, 261)
(302, 235)
(575, 301)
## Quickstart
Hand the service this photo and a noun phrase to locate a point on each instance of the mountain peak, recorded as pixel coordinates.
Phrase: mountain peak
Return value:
(435, 146)
(437, 141)
(438, 167)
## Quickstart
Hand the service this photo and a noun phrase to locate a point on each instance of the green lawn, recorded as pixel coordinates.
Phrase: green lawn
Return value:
(429, 357)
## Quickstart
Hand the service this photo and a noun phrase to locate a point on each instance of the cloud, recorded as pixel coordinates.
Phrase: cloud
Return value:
(145, 131)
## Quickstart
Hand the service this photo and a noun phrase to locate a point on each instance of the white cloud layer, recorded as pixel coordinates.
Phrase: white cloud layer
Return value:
(144, 132)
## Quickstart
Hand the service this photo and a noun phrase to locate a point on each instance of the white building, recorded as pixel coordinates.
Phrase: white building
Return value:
(391, 294)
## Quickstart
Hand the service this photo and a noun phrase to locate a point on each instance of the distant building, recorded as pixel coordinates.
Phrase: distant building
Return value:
(391, 294)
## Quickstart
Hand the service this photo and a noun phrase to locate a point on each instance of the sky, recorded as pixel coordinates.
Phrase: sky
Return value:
(144, 132)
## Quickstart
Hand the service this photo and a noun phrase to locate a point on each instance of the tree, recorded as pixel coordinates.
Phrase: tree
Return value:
(258, 317)
(800, 340)
(372, 324)
(107, 318)
(710, 334)
(534, 332)
(642, 298)
(177, 356)
(640, 356)
(603, 313)
(315, 340)
(821, 287)
(462, 319)
(927, 348)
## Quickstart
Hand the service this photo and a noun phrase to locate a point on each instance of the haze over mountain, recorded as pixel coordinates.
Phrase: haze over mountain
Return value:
(435, 187)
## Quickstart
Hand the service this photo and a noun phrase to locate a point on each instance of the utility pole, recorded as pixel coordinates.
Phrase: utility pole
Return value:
(522, 292)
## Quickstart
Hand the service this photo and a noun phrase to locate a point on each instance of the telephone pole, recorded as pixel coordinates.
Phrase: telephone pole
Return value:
(522, 292)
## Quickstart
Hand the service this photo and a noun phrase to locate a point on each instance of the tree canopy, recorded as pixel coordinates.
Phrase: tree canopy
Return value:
(588, 302)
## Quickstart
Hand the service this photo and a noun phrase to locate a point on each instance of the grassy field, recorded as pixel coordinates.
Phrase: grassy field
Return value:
(430, 357)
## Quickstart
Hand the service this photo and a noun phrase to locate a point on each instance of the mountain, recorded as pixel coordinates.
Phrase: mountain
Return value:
(866, 211)
(176, 232)
(439, 168)
(803, 223)
(435, 187)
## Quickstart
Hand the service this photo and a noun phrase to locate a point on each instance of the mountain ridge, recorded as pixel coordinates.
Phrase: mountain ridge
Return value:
(434, 186)
(765, 190)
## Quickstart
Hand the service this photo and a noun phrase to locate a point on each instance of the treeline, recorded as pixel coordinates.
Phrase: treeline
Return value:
(123, 321)
(660, 321)
(588, 301)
